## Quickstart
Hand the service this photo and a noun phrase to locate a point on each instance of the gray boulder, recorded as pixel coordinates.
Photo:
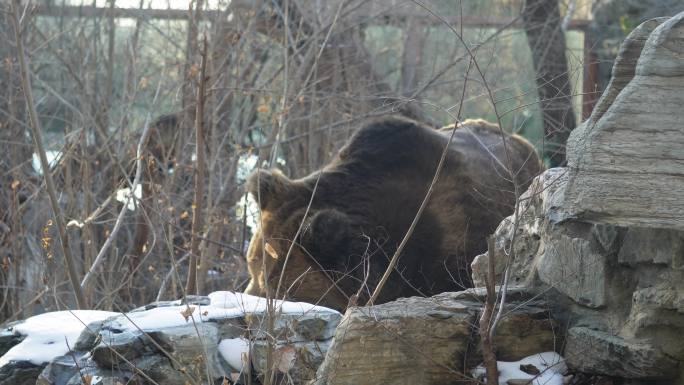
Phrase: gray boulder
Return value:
(602, 240)
(430, 340)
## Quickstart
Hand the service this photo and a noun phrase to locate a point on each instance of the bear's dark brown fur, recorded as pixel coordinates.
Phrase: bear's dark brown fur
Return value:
(363, 205)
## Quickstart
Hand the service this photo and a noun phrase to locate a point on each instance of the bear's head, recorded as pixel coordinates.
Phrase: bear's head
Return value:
(297, 245)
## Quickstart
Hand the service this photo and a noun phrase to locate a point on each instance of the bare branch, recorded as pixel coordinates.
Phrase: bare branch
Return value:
(200, 170)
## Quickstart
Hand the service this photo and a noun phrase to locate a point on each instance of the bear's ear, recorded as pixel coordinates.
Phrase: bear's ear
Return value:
(327, 237)
(269, 187)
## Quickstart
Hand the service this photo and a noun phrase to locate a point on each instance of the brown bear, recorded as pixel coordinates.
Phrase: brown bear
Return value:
(335, 230)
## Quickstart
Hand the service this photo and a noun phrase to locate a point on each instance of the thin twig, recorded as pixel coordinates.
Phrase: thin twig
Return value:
(197, 218)
(485, 319)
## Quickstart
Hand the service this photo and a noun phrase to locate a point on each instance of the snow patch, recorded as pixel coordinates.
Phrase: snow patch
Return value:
(47, 335)
(234, 351)
(52, 158)
(551, 368)
(124, 196)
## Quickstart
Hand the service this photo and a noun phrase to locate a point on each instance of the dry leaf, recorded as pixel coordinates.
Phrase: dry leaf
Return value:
(188, 312)
(6, 263)
(194, 71)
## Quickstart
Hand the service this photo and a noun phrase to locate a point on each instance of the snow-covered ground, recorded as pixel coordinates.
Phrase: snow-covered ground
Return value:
(47, 335)
(551, 368)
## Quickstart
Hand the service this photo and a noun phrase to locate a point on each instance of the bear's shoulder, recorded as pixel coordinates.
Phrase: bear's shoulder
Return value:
(388, 143)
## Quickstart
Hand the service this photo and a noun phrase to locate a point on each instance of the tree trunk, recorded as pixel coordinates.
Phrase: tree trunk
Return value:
(542, 22)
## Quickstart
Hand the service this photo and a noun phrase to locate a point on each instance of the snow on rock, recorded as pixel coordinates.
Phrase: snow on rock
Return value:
(223, 304)
(234, 351)
(550, 368)
(47, 335)
(252, 304)
(212, 335)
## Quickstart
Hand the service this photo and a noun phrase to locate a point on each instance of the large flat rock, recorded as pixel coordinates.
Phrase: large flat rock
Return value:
(407, 341)
(430, 340)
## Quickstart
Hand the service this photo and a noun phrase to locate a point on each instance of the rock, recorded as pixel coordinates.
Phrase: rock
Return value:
(428, 340)
(116, 346)
(164, 371)
(604, 244)
(664, 297)
(608, 237)
(62, 369)
(185, 346)
(296, 327)
(88, 338)
(659, 246)
(624, 66)
(570, 256)
(295, 361)
(173, 343)
(572, 264)
(302, 343)
(20, 373)
(192, 348)
(527, 327)
(514, 294)
(657, 315)
(525, 331)
(627, 161)
(399, 342)
(8, 338)
(592, 351)
(537, 206)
